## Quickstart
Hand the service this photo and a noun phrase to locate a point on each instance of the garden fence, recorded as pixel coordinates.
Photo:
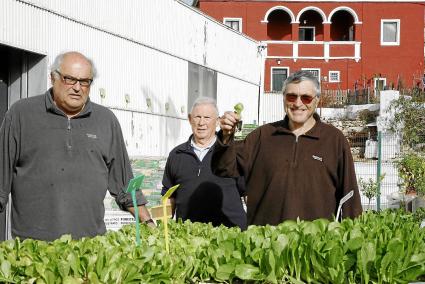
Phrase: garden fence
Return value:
(377, 155)
(341, 98)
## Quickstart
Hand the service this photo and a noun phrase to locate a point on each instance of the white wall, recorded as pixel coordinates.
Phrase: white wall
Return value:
(230, 92)
(271, 108)
(141, 49)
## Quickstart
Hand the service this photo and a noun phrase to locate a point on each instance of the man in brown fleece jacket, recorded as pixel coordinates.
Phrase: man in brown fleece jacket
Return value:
(296, 167)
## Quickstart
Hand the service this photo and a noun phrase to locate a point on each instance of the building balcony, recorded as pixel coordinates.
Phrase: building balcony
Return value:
(322, 50)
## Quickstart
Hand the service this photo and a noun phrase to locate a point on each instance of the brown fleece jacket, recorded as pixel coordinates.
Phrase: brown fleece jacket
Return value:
(288, 177)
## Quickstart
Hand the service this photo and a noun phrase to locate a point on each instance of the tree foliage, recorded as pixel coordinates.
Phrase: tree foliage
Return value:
(370, 188)
(409, 117)
(411, 168)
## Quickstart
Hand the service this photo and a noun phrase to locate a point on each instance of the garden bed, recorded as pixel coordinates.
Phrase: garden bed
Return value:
(386, 247)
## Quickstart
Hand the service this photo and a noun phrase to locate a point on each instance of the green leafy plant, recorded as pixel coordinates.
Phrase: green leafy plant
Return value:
(408, 111)
(377, 247)
(419, 215)
(411, 169)
(238, 108)
(370, 188)
(368, 116)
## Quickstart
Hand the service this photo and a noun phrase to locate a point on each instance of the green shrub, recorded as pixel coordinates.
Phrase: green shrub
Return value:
(411, 168)
(409, 114)
(370, 188)
(368, 116)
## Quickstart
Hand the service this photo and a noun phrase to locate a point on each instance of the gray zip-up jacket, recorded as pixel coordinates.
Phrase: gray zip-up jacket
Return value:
(58, 169)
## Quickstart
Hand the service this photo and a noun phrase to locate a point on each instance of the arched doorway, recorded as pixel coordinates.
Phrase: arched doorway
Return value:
(342, 27)
(279, 25)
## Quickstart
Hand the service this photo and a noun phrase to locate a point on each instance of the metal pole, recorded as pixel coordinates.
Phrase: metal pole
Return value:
(378, 172)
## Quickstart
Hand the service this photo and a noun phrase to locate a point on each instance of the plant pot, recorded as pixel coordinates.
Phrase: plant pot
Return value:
(418, 202)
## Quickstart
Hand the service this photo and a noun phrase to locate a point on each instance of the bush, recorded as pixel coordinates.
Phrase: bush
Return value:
(409, 111)
(370, 188)
(411, 168)
(368, 116)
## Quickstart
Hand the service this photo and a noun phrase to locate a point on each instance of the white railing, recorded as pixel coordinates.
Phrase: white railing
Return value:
(327, 45)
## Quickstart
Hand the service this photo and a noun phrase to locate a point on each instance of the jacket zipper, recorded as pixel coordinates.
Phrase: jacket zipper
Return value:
(68, 142)
(196, 157)
(295, 150)
(200, 162)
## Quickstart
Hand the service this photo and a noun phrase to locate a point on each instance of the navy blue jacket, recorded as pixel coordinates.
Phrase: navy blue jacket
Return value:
(203, 196)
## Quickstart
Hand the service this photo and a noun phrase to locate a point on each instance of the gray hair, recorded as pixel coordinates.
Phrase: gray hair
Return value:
(300, 76)
(205, 101)
(59, 58)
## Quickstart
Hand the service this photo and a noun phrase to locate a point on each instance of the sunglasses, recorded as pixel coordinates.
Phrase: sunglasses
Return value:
(305, 99)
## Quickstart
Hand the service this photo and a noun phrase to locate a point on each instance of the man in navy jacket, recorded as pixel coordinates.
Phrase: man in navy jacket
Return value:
(202, 196)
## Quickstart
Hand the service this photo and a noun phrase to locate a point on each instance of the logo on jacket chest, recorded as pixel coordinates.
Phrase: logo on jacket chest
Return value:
(317, 158)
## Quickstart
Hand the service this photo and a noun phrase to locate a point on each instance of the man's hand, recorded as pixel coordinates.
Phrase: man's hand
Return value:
(144, 215)
(150, 223)
(173, 206)
(228, 123)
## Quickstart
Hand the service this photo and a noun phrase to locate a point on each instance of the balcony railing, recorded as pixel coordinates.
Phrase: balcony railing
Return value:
(325, 50)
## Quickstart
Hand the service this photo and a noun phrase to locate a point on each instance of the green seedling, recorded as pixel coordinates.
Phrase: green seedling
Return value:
(134, 185)
(238, 108)
(164, 199)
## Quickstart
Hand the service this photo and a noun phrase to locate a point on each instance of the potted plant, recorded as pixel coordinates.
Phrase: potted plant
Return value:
(411, 169)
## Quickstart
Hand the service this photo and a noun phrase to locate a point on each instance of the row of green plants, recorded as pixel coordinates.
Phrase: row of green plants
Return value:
(384, 247)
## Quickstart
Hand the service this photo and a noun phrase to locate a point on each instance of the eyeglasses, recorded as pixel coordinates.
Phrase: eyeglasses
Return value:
(69, 80)
(305, 99)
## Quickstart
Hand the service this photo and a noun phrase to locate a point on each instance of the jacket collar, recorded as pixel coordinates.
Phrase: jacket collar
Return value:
(187, 147)
(282, 127)
(51, 106)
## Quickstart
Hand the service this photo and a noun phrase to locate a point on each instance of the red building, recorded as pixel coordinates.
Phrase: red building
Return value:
(348, 44)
